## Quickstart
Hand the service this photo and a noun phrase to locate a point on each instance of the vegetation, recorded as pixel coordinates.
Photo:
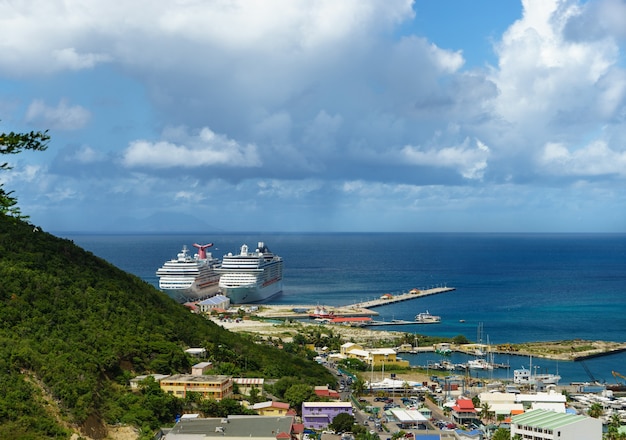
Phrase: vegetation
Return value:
(14, 143)
(82, 328)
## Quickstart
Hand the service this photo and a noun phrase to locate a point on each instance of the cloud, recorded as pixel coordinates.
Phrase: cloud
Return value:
(595, 159)
(204, 149)
(68, 58)
(62, 117)
(471, 163)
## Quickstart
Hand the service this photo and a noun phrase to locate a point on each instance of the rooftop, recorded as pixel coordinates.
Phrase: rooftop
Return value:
(545, 419)
(233, 427)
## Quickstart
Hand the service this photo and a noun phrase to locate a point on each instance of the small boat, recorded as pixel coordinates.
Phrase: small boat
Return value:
(427, 318)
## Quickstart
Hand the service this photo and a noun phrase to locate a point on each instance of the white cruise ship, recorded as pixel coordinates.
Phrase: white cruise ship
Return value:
(251, 277)
(188, 278)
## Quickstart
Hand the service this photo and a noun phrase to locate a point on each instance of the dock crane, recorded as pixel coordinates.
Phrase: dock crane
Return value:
(616, 375)
(589, 373)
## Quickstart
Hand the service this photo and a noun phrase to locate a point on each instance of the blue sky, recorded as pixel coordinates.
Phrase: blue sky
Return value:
(298, 115)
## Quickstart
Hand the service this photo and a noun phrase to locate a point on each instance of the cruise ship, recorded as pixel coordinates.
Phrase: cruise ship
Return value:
(190, 278)
(251, 277)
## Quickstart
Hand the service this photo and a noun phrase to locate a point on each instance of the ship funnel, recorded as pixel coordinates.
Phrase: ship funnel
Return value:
(202, 250)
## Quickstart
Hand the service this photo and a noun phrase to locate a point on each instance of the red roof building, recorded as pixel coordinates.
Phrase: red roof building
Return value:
(464, 411)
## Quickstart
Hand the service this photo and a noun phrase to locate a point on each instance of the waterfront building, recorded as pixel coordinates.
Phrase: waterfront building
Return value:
(540, 424)
(216, 303)
(379, 357)
(215, 387)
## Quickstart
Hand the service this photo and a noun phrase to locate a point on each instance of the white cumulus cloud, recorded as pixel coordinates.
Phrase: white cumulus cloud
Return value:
(204, 149)
(471, 163)
(594, 159)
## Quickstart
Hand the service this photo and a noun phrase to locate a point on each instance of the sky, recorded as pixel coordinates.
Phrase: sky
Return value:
(318, 115)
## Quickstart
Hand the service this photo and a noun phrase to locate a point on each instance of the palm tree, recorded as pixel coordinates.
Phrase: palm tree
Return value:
(358, 386)
(595, 410)
(485, 411)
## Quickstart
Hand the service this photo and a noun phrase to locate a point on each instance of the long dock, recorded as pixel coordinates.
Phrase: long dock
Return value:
(390, 298)
(358, 309)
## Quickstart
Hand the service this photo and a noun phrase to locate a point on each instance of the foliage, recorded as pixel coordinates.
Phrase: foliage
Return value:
(14, 143)
(595, 410)
(352, 364)
(501, 434)
(343, 422)
(83, 328)
(298, 393)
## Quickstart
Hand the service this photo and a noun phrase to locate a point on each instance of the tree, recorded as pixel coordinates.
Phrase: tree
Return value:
(298, 393)
(342, 422)
(485, 410)
(501, 434)
(595, 410)
(358, 386)
(14, 143)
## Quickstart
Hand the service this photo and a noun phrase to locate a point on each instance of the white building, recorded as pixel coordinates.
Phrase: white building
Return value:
(540, 424)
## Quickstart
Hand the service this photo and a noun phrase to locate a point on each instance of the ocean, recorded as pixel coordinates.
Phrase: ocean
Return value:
(515, 287)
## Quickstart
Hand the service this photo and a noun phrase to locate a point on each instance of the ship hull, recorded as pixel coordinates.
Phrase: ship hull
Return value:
(193, 293)
(252, 294)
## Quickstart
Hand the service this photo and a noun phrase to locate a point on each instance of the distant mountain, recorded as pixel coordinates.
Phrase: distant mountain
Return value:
(75, 329)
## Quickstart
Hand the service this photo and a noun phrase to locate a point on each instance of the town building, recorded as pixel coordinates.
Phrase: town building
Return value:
(318, 415)
(380, 357)
(246, 384)
(233, 427)
(215, 387)
(463, 411)
(217, 303)
(501, 404)
(135, 382)
(541, 424)
(325, 392)
(201, 368)
(271, 408)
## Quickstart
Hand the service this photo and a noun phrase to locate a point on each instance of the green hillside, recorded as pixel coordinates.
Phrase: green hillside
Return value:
(75, 329)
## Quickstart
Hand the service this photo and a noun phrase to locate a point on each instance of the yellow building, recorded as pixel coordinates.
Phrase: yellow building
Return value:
(377, 357)
(215, 387)
(272, 409)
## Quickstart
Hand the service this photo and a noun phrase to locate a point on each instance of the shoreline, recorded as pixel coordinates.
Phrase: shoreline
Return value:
(562, 350)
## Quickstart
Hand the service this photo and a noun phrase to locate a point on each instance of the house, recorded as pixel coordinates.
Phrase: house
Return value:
(199, 352)
(246, 384)
(541, 424)
(217, 302)
(215, 387)
(201, 368)
(271, 408)
(324, 391)
(318, 415)
(234, 427)
(463, 411)
(136, 381)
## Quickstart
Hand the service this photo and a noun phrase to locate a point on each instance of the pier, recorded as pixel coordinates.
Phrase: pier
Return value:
(390, 298)
(351, 310)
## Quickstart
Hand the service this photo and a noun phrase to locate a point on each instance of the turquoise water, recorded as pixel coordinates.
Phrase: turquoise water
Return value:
(521, 287)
